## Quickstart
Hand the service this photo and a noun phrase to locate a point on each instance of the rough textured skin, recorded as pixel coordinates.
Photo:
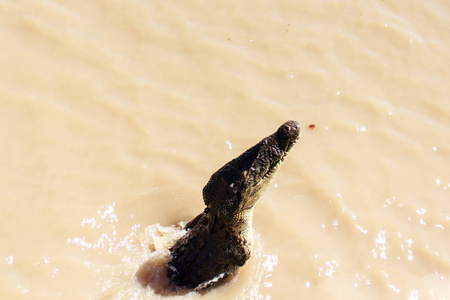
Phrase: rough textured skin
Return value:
(218, 240)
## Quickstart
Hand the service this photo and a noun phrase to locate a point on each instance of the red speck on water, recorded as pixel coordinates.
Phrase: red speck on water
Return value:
(311, 126)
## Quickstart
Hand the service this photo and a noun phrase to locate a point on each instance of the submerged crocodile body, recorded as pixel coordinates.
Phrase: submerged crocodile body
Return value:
(218, 240)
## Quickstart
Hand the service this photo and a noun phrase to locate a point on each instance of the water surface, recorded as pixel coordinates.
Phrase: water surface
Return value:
(114, 115)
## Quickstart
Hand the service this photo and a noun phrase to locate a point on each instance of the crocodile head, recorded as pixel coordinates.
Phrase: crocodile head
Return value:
(236, 187)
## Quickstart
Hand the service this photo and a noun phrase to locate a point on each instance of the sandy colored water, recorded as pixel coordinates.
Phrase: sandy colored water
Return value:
(114, 114)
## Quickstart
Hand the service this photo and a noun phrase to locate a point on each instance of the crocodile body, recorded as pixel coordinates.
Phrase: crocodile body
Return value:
(218, 241)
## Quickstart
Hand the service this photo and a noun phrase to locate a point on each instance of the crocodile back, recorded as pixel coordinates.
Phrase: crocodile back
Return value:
(207, 254)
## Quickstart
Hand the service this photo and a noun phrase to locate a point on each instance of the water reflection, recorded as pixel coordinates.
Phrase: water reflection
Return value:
(106, 224)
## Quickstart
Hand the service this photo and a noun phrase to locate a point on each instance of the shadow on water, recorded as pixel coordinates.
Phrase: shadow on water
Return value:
(153, 274)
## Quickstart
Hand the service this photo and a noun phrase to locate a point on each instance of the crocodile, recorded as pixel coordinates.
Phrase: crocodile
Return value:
(218, 241)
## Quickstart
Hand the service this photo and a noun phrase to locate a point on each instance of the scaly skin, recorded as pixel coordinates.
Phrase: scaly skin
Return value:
(219, 239)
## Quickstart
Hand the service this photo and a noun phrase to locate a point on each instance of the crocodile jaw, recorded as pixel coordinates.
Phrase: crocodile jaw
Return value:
(243, 224)
(239, 184)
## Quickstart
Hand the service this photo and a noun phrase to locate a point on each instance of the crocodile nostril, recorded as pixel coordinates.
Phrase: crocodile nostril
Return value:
(290, 130)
